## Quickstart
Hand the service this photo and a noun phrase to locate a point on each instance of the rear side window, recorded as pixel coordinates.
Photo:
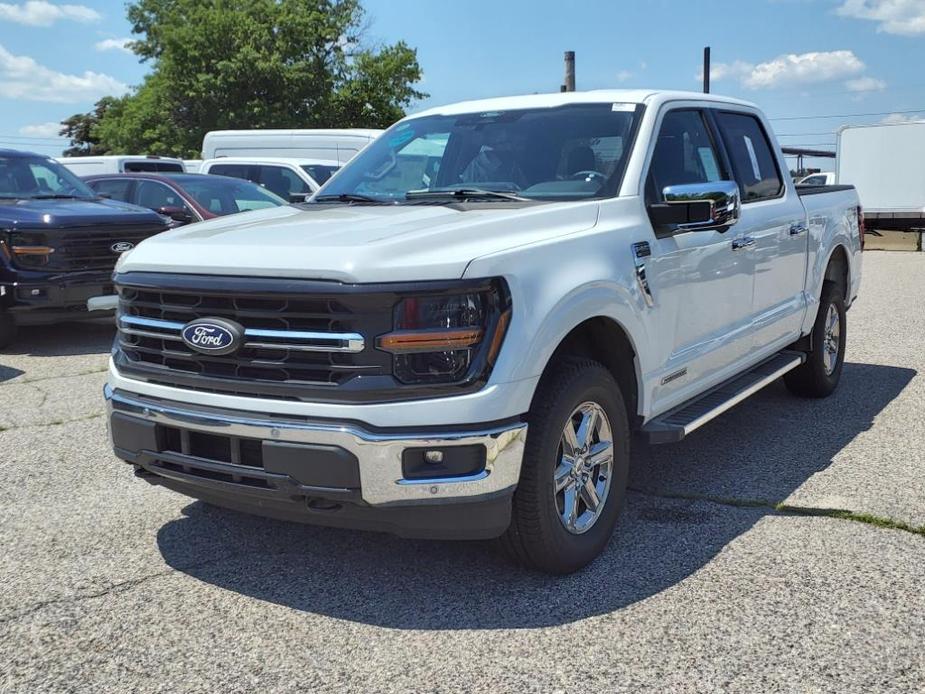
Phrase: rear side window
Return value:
(754, 164)
(153, 166)
(233, 170)
(117, 189)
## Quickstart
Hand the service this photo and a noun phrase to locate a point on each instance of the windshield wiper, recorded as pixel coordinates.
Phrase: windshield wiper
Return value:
(465, 194)
(348, 197)
(57, 196)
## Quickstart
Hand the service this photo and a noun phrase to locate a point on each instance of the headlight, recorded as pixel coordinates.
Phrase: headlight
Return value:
(447, 338)
(31, 249)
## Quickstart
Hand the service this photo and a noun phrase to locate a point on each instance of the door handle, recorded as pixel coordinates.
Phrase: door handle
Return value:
(744, 242)
(798, 228)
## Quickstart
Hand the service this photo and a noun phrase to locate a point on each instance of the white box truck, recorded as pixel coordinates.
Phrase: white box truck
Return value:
(886, 163)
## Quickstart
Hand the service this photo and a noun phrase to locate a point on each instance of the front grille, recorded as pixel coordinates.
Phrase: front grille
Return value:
(79, 249)
(299, 341)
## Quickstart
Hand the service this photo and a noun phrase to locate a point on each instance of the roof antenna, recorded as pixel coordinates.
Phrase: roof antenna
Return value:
(706, 69)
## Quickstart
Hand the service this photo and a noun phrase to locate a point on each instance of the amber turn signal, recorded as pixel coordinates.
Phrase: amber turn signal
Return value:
(403, 341)
(33, 250)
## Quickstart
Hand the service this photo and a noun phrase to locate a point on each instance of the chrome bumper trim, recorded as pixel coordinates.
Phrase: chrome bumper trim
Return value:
(379, 454)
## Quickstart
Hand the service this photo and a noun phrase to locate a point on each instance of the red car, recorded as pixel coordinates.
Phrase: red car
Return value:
(185, 197)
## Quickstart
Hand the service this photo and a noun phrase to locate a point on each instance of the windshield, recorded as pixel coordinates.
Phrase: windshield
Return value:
(568, 153)
(222, 195)
(320, 173)
(38, 177)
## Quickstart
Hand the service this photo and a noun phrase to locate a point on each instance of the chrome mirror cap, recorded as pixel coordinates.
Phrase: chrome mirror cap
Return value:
(720, 203)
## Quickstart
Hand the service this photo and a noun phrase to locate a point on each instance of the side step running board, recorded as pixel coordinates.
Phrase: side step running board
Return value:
(675, 424)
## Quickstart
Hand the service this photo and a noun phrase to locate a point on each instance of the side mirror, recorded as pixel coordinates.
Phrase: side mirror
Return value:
(697, 207)
(177, 214)
(299, 197)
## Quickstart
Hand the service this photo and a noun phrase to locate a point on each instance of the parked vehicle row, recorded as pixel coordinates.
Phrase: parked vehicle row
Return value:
(185, 198)
(59, 242)
(458, 334)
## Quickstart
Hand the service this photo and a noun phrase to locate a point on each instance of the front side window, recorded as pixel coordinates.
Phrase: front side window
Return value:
(752, 159)
(223, 196)
(115, 188)
(37, 177)
(320, 173)
(154, 195)
(684, 153)
(280, 180)
(570, 152)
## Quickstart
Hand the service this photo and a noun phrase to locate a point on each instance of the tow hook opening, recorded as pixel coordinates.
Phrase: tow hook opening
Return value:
(322, 505)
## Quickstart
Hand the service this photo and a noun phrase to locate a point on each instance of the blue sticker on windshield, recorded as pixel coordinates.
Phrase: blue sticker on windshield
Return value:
(401, 138)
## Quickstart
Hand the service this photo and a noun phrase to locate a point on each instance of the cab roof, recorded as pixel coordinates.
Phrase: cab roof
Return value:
(552, 100)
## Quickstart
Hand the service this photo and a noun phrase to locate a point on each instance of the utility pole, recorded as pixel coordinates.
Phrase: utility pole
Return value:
(706, 69)
(569, 85)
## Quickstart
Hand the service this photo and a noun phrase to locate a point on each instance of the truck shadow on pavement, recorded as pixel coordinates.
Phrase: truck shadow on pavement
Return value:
(763, 449)
(64, 339)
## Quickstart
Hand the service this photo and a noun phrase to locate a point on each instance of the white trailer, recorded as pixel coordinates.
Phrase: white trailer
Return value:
(886, 163)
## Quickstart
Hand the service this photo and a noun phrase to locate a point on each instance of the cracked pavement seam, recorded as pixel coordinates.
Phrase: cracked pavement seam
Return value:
(785, 509)
(23, 381)
(120, 587)
(55, 423)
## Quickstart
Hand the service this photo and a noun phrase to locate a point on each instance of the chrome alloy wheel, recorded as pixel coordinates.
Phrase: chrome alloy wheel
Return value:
(831, 339)
(582, 477)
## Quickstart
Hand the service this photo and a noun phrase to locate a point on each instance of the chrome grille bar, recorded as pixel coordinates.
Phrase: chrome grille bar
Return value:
(302, 341)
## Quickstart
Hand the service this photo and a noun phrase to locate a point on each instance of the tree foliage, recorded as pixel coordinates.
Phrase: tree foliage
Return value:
(226, 64)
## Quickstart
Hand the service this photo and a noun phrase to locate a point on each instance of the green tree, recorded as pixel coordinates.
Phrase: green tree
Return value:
(224, 64)
(81, 129)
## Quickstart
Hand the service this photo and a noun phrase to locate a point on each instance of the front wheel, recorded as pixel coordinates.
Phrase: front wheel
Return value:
(820, 373)
(575, 469)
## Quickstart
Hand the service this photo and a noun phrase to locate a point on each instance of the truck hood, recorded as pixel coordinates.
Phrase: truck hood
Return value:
(57, 214)
(356, 243)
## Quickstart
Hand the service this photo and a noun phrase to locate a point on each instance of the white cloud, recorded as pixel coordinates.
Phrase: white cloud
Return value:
(790, 69)
(50, 129)
(21, 77)
(113, 45)
(41, 13)
(865, 84)
(904, 17)
(902, 118)
(624, 75)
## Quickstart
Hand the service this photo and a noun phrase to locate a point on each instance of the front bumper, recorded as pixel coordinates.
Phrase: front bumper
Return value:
(41, 300)
(318, 471)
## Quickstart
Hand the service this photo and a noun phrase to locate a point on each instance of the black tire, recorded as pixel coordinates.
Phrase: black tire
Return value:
(537, 537)
(7, 329)
(813, 379)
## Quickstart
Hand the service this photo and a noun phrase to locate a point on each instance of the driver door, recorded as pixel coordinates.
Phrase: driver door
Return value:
(700, 281)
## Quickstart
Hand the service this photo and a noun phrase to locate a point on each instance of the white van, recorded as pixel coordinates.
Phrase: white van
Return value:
(192, 165)
(291, 179)
(335, 145)
(148, 163)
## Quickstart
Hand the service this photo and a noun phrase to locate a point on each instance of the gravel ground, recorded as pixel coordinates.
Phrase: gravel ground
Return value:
(113, 585)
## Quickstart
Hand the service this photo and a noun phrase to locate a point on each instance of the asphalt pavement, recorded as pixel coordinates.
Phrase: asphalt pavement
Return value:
(779, 548)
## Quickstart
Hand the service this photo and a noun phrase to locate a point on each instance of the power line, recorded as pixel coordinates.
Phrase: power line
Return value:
(31, 138)
(849, 115)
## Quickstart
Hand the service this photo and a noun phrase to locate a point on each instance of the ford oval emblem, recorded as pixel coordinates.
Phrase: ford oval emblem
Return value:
(213, 336)
(122, 246)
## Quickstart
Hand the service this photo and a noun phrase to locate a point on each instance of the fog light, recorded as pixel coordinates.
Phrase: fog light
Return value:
(434, 457)
(438, 463)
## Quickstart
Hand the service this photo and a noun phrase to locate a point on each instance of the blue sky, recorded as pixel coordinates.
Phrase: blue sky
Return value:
(798, 59)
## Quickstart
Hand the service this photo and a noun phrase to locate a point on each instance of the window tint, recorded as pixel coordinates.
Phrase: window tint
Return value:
(280, 180)
(233, 170)
(222, 196)
(320, 173)
(752, 159)
(684, 153)
(151, 166)
(154, 195)
(116, 188)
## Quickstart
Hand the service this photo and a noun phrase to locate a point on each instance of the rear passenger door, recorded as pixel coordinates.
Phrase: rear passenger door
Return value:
(774, 229)
(701, 284)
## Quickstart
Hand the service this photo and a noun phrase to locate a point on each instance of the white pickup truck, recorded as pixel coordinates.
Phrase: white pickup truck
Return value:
(457, 336)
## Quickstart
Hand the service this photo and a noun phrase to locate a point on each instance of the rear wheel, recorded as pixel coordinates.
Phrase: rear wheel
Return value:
(7, 329)
(819, 375)
(575, 469)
